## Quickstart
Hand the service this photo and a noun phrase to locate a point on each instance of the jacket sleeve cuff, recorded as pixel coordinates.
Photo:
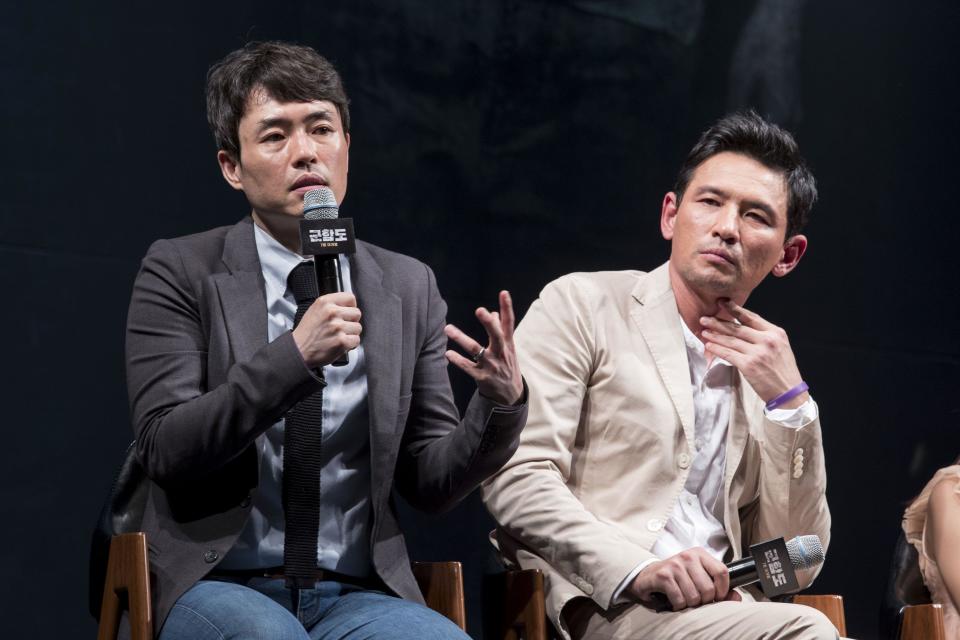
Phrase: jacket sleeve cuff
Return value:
(618, 596)
(492, 405)
(291, 366)
(794, 418)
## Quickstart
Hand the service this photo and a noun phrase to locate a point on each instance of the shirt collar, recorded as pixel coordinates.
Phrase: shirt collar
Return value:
(276, 262)
(695, 347)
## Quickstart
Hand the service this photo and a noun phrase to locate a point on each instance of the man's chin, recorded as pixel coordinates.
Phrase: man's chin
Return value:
(715, 283)
(281, 215)
(709, 281)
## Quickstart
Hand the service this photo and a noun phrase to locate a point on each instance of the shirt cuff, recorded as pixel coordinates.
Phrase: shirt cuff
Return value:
(618, 597)
(794, 418)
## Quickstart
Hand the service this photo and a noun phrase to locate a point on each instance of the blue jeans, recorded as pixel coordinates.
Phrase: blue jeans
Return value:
(259, 609)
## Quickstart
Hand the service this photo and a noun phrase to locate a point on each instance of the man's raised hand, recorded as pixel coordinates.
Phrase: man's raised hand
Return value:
(494, 367)
(759, 349)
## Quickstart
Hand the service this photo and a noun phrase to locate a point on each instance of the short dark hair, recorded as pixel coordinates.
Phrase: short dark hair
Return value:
(747, 133)
(287, 72)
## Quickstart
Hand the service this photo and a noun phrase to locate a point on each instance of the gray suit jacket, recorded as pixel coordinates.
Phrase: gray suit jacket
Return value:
(204, 384)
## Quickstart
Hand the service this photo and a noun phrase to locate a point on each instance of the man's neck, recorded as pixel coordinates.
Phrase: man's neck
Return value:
(693, 304)
(284, 230)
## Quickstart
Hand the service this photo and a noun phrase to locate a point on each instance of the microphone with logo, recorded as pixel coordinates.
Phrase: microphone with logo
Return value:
(774, 564)
(325, 236)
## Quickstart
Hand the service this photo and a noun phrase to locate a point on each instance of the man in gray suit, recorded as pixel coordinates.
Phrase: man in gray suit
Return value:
(213, 367)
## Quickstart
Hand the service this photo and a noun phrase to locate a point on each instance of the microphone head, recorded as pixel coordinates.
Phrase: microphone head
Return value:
(320, 204)
(805, 552)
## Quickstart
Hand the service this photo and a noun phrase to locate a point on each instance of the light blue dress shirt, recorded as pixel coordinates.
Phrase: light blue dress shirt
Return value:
(345, 511)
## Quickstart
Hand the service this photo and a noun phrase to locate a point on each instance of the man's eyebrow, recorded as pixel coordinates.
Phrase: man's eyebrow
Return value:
(319, 114)
(266, 123)
(313, 116)
(749, 204)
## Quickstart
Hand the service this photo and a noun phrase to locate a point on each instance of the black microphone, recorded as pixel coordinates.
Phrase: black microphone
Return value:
(805, 552)
(324, 235)
(767, 564)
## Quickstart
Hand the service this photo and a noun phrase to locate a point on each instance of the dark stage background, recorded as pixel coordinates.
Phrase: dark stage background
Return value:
(505, 143)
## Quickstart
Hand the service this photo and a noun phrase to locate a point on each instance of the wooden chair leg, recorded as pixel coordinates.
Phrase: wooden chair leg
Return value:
(524, 608)
(829, 605)
(127, 586)
(922, 622)
(442, 586)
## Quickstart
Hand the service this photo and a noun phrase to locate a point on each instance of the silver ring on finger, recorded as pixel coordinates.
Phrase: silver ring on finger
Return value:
(478, 356)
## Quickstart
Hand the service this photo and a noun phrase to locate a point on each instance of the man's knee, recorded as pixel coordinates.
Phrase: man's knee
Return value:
(184, 622)
(218, 610)
(383, 616)
(807, 623)
(426, 624)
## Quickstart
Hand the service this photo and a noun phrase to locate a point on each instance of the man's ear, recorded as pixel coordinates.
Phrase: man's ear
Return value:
(793, 250)
(668, 214)
(231, 170)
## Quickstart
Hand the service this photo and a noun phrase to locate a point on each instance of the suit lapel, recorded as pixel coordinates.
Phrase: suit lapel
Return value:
(241, 291)
(659, 320)
(737, 431)
(382, 341)
(243, 300)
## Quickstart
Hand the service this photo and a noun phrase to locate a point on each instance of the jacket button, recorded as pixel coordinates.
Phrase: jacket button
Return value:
(655, 524)
(245, 502)
(211, 556)
(683, 460)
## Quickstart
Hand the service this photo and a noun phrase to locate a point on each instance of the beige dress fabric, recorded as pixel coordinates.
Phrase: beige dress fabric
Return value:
(914, 526)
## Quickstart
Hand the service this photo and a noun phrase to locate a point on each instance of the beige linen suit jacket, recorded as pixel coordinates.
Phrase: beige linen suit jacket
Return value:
(609, 442)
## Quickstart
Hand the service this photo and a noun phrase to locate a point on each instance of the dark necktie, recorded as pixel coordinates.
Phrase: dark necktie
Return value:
(301, 462)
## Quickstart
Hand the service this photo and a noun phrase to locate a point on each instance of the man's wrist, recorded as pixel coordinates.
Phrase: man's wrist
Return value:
(519, 402)
(622, 593)
(789, 399)
(794, 403)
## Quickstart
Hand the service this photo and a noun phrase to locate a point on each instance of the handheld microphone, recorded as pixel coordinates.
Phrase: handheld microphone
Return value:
(767, 564)
(804, 552)
(325, 235)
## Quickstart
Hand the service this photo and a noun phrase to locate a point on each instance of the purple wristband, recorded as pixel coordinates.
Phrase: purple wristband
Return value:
(787, 395)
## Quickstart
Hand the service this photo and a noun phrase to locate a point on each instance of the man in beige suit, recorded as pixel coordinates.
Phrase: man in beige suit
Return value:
(669, 427)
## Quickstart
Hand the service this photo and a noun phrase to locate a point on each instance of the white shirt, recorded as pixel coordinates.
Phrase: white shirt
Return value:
(697, 518)
(343, 543)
